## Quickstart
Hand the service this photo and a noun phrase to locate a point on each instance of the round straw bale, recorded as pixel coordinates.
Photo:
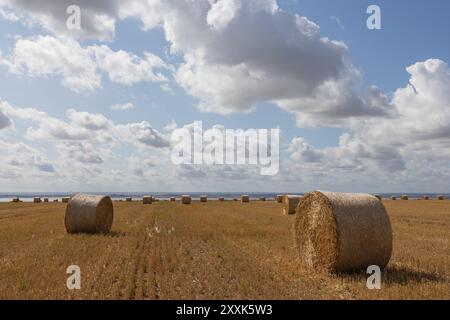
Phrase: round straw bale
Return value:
(89, 214)
(393, 198)
(279, 198)
(262, 199)
(290, 203)
(440, 197)
(16, 200)
(173, 199)
(45, 199)
(340, 232)
(65, 200)
(221, 199)
(185, 199)
(56, 200)
(129, 199)
(204, 199)
(147, 200)
(404, 197)
(426, 198)
(235, 199)
(245, 198)
(37, 200)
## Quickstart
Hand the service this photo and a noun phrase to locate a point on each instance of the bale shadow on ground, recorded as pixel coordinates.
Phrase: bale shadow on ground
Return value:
(111, 234)
(403, 275)
(396, 275)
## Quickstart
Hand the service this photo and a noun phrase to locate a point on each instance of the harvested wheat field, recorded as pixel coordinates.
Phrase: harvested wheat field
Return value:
(213, 250)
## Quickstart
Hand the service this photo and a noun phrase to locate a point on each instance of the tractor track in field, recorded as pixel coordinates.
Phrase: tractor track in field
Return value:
(149, 260)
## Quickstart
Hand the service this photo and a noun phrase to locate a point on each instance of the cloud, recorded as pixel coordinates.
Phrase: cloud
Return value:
(45, 56)
(88, 120)
(302, 151)
(240, 53)
(85, 153)
(415, 136)
(128, 69)
(142, 134)
(23, 156)
(80, 67)
(123, 106)
(8, 15)
(98, 18)
(85, 126)
(4, 121)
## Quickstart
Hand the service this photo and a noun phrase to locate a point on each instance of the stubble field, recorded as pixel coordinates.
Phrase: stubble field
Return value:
(214, 250)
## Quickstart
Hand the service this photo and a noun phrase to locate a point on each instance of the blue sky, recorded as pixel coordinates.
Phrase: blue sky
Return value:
(412, 32)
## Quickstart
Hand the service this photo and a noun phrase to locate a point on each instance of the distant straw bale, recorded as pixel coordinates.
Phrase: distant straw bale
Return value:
(290, 203)
(185, 199)
(147, 200)
(245, 198)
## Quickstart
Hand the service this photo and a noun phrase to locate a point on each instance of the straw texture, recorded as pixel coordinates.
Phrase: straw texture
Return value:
(341, 232)
(89, 214)
(290, 203)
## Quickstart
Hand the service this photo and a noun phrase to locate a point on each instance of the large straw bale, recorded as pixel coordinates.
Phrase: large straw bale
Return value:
(89, 214)
(341, 232)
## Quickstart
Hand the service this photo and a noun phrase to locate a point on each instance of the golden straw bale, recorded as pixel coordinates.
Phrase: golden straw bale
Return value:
(89, 214)
(147, 200)
(245, 198)
(341, 232)
(185, 199)
(290, 203)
